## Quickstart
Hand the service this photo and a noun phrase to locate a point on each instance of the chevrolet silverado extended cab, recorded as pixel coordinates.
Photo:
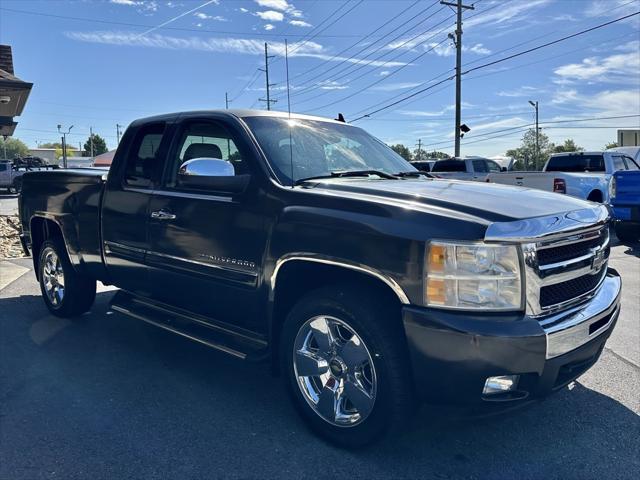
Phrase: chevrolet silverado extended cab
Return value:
(310, 244)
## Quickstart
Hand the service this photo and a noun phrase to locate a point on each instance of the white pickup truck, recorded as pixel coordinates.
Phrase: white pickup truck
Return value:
(585, 175)
(468, 168)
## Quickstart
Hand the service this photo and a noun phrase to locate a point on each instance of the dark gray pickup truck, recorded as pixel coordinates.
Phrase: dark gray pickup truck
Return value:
(307, 243)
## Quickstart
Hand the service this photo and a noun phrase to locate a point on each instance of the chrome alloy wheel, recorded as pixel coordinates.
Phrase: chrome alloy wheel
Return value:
(335, 371)
(53, 278)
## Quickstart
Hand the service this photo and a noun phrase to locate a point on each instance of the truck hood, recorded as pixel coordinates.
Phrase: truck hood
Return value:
(487, 202)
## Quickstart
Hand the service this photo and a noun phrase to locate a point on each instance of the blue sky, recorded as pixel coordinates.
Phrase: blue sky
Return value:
(98, 63)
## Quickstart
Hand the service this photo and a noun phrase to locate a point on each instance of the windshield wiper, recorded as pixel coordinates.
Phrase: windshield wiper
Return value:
(413, 173)
(349, 173)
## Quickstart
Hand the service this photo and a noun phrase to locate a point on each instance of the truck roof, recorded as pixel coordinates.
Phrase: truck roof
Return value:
(234, 112)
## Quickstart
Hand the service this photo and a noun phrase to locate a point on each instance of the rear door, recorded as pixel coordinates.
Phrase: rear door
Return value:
(206, 246)
(125, 209)
(480, 170)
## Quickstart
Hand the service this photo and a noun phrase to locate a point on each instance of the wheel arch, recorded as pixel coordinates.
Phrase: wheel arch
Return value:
(596, 195)
(41, 229)
(296, 275)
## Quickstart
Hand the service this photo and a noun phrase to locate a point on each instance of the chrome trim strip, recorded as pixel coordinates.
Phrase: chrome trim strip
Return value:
(108, 244)
(548, 228)
(402, 296)
(551, 266)
(194, 196)
(204, 264)
(179, 332)
(569, 330)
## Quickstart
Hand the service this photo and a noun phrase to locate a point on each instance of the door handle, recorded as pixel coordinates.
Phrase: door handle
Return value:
(163, 215)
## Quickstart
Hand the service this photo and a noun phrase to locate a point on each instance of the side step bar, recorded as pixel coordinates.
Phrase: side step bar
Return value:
(239, 343)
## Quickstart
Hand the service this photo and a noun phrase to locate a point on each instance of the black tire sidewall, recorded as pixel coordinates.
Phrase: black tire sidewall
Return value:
(358, 316)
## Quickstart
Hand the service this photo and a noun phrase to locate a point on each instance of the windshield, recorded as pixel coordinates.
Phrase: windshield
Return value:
(576, 163)
(297, 149)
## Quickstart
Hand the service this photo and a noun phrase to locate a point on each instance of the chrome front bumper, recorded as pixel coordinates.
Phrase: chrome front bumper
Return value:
(575, 327)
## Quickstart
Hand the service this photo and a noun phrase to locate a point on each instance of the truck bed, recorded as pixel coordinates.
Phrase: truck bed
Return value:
(72, 199)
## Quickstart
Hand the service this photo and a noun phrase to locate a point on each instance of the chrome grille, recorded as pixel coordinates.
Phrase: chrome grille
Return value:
(565, 271)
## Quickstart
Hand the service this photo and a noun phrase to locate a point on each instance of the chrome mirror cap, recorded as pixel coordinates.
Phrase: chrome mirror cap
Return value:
(207, 167)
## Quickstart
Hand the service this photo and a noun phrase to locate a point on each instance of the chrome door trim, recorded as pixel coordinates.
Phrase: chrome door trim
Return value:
(108, 243)
(204, 264)
(194, 196)
(306, 257)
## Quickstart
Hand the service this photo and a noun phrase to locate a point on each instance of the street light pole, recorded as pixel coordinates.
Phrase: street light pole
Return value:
(535, 105)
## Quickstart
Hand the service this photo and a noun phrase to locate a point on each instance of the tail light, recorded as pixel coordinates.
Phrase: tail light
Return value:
(613, 187)
(559, 185)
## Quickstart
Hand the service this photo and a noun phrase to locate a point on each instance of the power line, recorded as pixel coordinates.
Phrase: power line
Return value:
(353, 57)
(182, 29)
(356, 43)
(567, 37)
(433, 47)
(356, 64)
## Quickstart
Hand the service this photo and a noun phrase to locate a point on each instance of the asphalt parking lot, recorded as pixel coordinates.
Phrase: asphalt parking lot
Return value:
(109, 397)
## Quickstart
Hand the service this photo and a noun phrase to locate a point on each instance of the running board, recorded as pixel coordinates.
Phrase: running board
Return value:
(236, 342)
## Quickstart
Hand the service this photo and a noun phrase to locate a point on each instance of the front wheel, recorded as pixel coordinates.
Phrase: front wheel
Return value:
(345, 358)
(66, 293)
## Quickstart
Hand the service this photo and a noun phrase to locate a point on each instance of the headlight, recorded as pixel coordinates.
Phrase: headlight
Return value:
(473, 276)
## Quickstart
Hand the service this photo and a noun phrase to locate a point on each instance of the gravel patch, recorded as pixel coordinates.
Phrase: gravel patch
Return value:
(9, 237)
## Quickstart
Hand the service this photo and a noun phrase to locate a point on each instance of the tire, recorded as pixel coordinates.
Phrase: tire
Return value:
(367, 365)
(627, 233)
(66, 293)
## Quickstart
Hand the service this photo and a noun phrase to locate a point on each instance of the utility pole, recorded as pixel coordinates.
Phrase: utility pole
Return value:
(419, 145)
(458, 42)
(535, 105)
(266, 72)
(64, 144)
(91, 140)
(226, 100)
(118, 127)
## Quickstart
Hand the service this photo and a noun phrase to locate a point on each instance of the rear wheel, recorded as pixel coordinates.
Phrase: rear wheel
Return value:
(66, 293)
(346, 365)
(627, 233)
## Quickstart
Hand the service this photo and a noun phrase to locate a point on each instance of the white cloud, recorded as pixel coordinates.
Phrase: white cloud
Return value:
(479, 49)
(390, 87)
(271, 16)
(268, 26)
(215, 44)
(204, 16)
(243, 10)
(299, 23)
(505, 123)
(274, 4)
(130, 3)
(510, 12)
(523, 91)
(622, 67)
(331, 85)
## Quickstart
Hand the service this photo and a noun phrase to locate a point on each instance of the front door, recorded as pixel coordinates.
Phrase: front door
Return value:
(206, 247)
(126, 205)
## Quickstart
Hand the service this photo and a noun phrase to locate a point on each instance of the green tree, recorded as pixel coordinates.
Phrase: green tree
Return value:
(71, 151)
(12, 148)
(611, 145)
(439, 155)
(420, 155)
(568, 146)
(525, 154)
(403, 151)
(99, 145)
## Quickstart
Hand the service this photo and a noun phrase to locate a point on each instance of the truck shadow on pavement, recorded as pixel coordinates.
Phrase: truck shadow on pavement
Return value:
(110, 394)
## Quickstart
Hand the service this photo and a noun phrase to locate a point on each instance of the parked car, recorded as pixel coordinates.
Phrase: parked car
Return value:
(11, 174)
(584, 175)
(625, 205)
(423, 165)
(468, 168)
(307, 243)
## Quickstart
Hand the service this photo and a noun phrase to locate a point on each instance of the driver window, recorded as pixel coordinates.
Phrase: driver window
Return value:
(205, 140)
(493, 166)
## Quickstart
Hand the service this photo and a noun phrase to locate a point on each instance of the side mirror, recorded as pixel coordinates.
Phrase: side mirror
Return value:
(211, 174)
(503, 169)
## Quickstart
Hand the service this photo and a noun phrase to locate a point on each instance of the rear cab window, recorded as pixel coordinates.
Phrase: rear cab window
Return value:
(449, 166)
(144, 159)
(576, 163)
